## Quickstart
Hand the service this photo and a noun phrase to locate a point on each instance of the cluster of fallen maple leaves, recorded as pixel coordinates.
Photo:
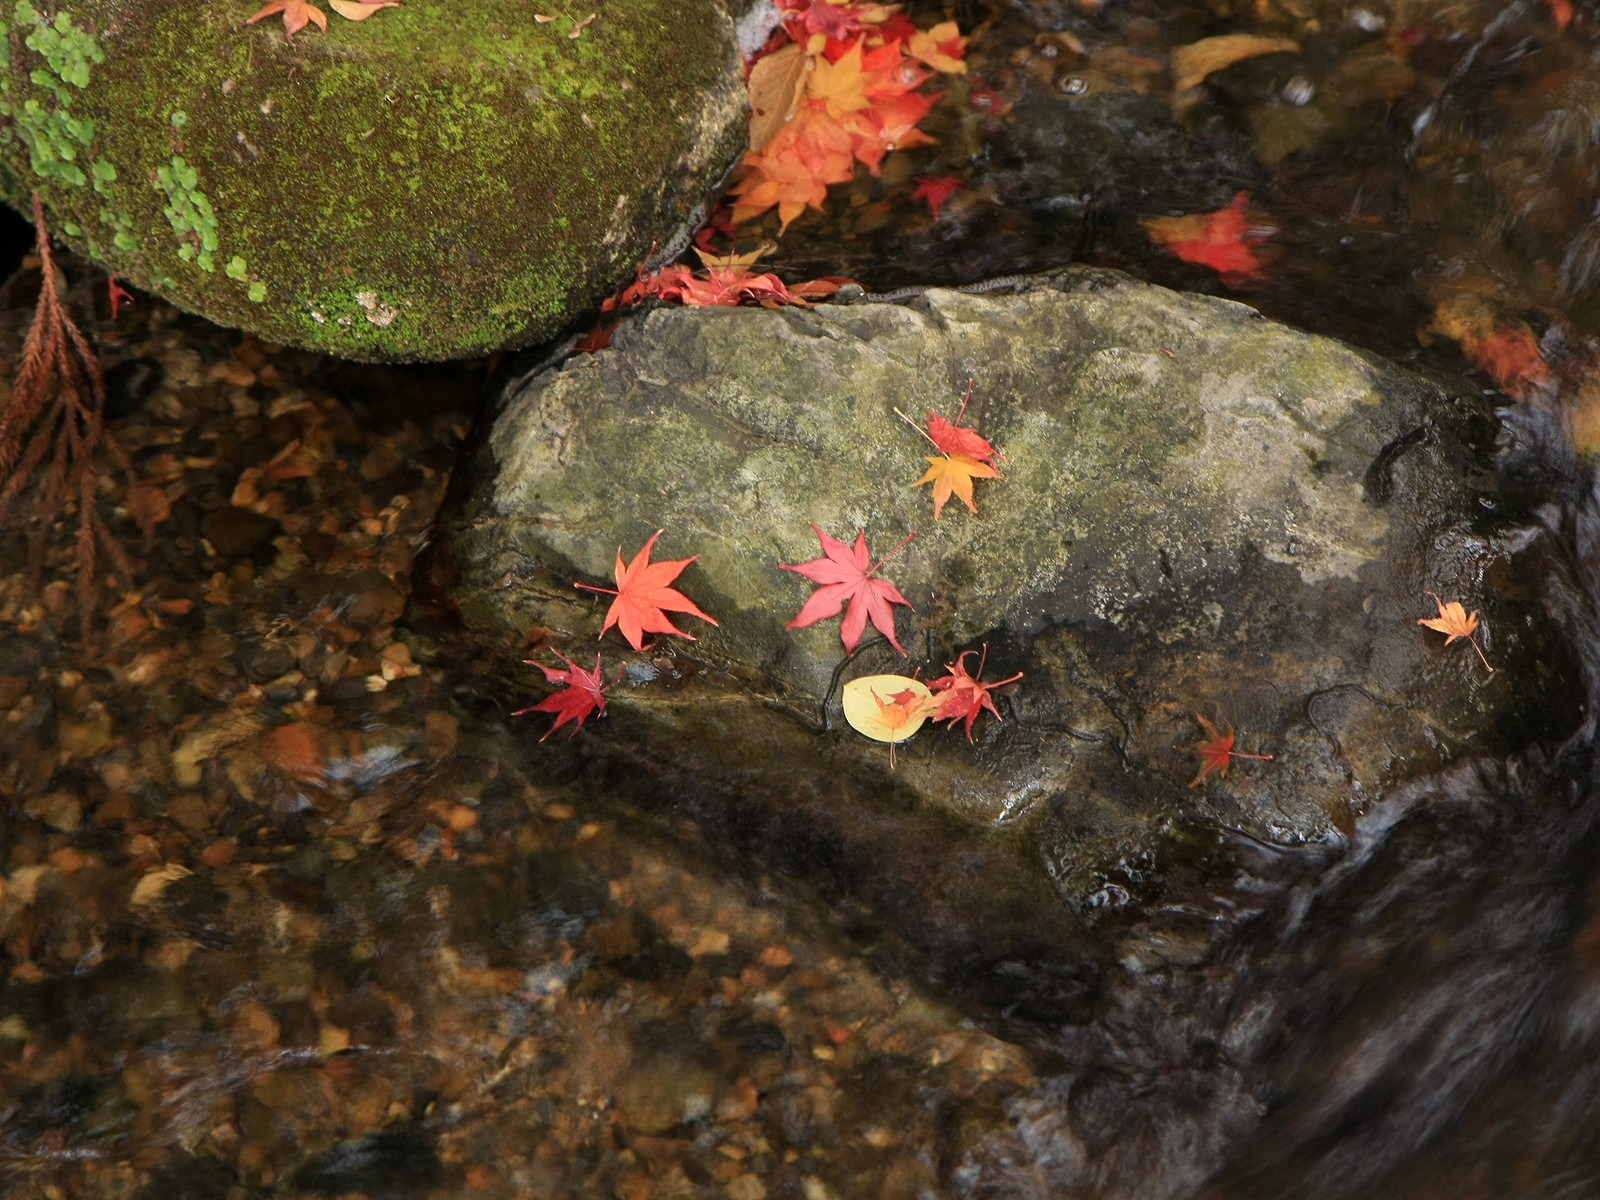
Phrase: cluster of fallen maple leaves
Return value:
(886, 708)
(838, 85)
(847, 581)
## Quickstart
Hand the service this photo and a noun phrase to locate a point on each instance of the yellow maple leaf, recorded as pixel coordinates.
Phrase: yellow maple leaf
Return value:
(952, 474)
(940, 47)
(840, 87)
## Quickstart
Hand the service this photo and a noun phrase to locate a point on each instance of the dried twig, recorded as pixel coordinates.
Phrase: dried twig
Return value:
(56, 414)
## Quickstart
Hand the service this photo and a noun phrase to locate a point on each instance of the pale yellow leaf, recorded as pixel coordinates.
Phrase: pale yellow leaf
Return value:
(350, 10)
(877, 706)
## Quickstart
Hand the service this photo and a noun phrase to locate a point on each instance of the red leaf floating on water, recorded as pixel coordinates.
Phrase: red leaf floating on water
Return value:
(844, 574)
(936, 189)
(1510, 356)
(1222, 240)
(583, 693)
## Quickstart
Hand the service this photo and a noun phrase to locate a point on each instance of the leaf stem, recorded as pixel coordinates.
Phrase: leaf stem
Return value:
(919, 429)
(898, 547)
(962, 411)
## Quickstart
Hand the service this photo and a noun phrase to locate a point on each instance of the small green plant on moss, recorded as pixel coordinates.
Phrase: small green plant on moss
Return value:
(188, 211)
(44, 122)
(238, 269)
(59, 144)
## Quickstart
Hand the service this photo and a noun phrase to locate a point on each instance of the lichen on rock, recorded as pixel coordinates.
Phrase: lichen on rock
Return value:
(484, 176)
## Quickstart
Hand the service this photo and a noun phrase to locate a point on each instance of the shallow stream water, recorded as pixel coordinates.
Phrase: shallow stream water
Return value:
(291, 906)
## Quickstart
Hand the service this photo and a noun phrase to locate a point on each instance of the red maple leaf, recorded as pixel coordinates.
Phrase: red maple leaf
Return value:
(584, 693)
(844, 574)
(1509, 354)
(729, 287)
(596, 339)
(952, 437)
(1217, 751)
(1223, 240)
(936, 189)
(966, 695)
(835, 20)
(643, 598)
(295, 15)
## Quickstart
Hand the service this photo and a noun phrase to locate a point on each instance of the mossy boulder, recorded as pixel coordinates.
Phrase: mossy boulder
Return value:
(1202, 512)
(437, 181)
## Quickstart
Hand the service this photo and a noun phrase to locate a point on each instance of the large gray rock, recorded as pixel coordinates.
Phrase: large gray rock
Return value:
(1202, 512)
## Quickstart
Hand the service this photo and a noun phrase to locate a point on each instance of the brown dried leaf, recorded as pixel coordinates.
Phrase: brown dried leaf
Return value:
(776, 84)
(1191, 64)
(149, 506)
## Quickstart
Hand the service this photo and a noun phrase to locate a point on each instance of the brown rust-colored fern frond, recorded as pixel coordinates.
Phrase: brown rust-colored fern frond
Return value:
(56, 413)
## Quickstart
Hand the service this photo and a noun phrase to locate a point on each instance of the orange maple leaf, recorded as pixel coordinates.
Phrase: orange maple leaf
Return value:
(726, 286)
(295, 15)
(903, 708)
(965, 696)
(964, 455)
(952, 474)
(583, 692)
(643, 598)
(1454, 623)
(795, 169)
(1217, 751)
(844, 574)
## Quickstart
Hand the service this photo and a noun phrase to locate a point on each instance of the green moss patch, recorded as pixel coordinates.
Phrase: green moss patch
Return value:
(478, 177)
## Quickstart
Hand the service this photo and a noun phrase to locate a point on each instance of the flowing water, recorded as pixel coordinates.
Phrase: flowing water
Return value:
(285, 912)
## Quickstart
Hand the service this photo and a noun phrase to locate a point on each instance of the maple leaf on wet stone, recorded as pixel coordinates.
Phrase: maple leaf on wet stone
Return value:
(583, 693)
(936, 189)
(1454, 623)
(952, 474)
(643, 598)
(1217, 751)
(845, 573)
(964, 455)
(965, 696)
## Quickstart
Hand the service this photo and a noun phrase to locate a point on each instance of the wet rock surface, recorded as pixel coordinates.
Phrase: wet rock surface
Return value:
(1202, 513)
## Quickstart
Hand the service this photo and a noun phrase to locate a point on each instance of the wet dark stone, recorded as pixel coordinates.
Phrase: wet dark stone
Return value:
(191, 1179)
(352, 688)
(129, 384)
(263, 663)
(377, 601)
(238, 532)
(25, 653)
(394, 1162)
(53, 1105)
